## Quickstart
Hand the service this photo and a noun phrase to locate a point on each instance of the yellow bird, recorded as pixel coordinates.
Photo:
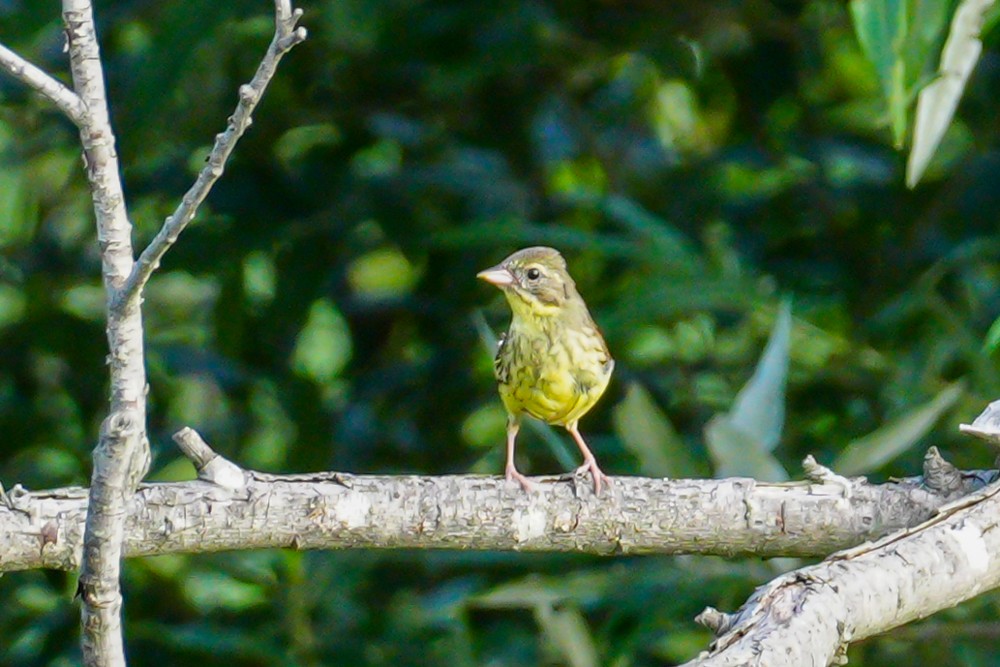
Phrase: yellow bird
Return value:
(552, 363)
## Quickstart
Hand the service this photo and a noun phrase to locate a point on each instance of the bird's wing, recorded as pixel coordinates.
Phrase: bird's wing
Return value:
(500, 368)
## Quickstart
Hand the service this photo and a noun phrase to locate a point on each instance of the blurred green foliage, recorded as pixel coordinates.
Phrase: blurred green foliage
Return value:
(695, 162)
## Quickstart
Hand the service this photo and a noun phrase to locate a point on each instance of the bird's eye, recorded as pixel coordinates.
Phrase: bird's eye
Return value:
(533, 273)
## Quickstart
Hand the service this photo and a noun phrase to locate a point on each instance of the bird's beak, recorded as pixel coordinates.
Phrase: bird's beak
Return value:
(498, 275)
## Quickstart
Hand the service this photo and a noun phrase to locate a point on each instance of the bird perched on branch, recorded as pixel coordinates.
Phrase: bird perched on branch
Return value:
(552, 363)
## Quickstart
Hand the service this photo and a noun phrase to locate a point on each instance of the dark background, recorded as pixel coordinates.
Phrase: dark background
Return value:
(695, 162)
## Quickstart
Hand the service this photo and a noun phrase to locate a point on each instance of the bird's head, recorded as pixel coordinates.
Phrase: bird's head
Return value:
(534, 280)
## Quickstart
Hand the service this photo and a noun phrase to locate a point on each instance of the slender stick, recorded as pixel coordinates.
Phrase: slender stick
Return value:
(65, 99)
(286, 36)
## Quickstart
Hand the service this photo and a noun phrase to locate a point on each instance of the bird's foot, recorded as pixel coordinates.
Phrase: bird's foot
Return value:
(600, 479)
(513, 475)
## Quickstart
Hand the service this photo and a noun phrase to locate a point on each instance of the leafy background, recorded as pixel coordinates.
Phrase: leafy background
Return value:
(714, 172)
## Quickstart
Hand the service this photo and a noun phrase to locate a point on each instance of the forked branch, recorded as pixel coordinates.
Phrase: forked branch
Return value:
(809, 616)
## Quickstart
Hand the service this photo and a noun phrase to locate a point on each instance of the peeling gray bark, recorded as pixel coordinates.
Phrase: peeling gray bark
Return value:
(99, 579)
(332, 510)
(120, 459)
(809, 616)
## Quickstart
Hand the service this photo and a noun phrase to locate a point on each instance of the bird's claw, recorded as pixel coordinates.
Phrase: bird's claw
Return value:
(600, 478)
(513, 475)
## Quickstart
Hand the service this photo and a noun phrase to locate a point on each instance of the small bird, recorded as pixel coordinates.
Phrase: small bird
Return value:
(552, 363)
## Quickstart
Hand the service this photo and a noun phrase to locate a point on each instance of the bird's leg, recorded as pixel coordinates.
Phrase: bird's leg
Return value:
(513, 424)
(589, 462)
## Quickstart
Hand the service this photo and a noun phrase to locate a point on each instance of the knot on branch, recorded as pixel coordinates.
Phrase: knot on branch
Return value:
(122, 440)
(986, 426)
(119, 426)
(247, 94)
(840, 655)
(210, 466)
(718, 622)
(9, 499)
(820, 473)
(939, 474)
(292, 39)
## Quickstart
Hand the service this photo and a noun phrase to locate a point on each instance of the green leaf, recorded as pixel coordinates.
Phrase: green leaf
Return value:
(18, 207)
(568, 635)
(178, 469)
(672, 244)
(742, 440)
(880, 25)
(937, 102)
(899, 38)
(992, 339)
(882, 445)
(485, 426)
(209, 591)
(382, 274)
(524, 593)
(13, 305)
(271, 431)
(648, 434)
(296, 143)
(579, 586)
(260, 278)
(737, 454)
(324, 344)
(680, 645)
(759, 409)
(514, 232)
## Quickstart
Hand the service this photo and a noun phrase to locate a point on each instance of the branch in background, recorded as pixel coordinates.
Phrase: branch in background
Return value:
(809, 616)
(229, 508)
(65, 99)
(286, 36)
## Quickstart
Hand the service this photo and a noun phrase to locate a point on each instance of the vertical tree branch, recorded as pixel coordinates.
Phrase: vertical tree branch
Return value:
(99, 581)
(122, 456)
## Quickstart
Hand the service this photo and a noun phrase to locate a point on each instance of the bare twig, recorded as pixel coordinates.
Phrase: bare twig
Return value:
(65, 99)
(286, 36)
(210, 466)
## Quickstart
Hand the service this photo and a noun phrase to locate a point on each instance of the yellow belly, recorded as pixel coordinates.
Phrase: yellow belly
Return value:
(556, 382)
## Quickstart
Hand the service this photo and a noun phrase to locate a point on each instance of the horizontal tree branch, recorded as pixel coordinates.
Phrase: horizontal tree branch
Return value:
(237, 509)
